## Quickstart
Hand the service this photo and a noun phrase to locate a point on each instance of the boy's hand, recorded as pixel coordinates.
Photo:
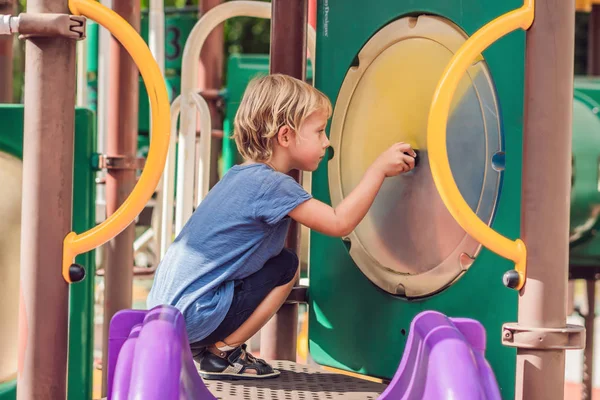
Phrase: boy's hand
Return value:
(399, 158)
(347, 215)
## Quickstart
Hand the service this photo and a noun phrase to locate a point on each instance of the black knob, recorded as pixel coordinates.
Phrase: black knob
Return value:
(416, 157)
(511, 279)
(76, 273)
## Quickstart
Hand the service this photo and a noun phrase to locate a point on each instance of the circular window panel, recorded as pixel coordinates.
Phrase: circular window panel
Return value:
(408, 244)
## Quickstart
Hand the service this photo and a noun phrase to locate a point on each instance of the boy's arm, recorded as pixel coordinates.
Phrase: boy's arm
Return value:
(347, 215)
(342, 220)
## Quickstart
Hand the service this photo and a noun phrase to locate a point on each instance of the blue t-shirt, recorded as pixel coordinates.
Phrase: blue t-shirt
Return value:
(235, 230)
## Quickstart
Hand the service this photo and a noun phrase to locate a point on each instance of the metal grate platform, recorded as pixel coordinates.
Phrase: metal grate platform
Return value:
(297, 382)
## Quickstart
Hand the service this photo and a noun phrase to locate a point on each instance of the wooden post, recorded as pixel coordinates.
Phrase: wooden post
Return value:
(211, 79)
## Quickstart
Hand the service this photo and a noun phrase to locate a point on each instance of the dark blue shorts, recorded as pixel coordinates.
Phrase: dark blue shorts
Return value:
(249, 293)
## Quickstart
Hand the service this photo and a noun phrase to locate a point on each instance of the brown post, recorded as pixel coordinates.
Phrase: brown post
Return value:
(211, 78)
(545, 193)
(46, 211)
(122, 140)
(588, 352)
(288, 56)
(7, 7)
(593, 49)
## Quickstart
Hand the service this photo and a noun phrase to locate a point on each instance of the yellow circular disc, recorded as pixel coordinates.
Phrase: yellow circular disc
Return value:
(408, 243)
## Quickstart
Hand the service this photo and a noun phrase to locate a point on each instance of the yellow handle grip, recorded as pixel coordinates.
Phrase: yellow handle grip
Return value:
(159, 105)
(436, 136)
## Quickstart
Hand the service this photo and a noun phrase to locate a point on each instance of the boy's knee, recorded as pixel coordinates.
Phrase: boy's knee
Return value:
(282, 268)
(291, 267)
(292, 274)
(290, 255)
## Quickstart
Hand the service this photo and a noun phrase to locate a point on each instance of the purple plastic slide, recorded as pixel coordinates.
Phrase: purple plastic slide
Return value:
(149, 358)
(444, 358)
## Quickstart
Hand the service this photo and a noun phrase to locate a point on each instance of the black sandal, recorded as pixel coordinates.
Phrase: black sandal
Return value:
(233, 365)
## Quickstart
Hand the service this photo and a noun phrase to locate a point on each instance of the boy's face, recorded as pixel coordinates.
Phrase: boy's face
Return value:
(311, 143)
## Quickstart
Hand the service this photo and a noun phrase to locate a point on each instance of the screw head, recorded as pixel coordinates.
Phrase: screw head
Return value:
(511, 279)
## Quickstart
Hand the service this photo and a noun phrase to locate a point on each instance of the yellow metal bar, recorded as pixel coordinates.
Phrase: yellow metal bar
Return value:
(436, 136)
(75, 244)
(585, 5)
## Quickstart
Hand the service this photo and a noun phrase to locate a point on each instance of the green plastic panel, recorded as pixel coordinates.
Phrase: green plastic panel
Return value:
(11, 139)
(585, 193)
(586, 153)
(177, 27)
(92, 64)
(241, 69)
(8, 390)
(354, 325)
(588, 85)
(81, 295)
(585, 250)
(81, 299)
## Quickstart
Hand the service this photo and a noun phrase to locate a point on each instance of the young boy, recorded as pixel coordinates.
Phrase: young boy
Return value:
(227, 271)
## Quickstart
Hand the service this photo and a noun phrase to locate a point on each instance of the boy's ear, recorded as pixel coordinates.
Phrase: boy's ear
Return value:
(284, 136)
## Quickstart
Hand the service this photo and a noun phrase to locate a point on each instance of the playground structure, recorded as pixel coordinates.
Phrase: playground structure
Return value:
(350, 65)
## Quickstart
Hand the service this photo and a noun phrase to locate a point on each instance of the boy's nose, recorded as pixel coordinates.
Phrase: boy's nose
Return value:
(326, 143)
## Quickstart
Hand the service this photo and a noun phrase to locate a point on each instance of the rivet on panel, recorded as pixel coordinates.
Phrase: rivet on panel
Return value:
(330, 153)
(498, 161)
(465, 261)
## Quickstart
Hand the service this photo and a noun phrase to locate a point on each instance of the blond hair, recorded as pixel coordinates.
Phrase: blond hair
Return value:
(269, 103)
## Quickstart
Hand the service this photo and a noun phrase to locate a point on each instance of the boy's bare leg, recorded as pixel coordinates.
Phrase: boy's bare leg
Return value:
(263, 313)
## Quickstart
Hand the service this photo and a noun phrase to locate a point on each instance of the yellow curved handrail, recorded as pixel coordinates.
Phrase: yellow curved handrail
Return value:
(75, 244)
(436, 136)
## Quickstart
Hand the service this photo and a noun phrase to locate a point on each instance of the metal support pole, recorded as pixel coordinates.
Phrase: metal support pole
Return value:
(211, 78)
(288, 56)
(122, 141)
(7, 7)
(46, 210)
(588, 353)
(593, 49)
(593, 68)
(545, 193)
(104, 38)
